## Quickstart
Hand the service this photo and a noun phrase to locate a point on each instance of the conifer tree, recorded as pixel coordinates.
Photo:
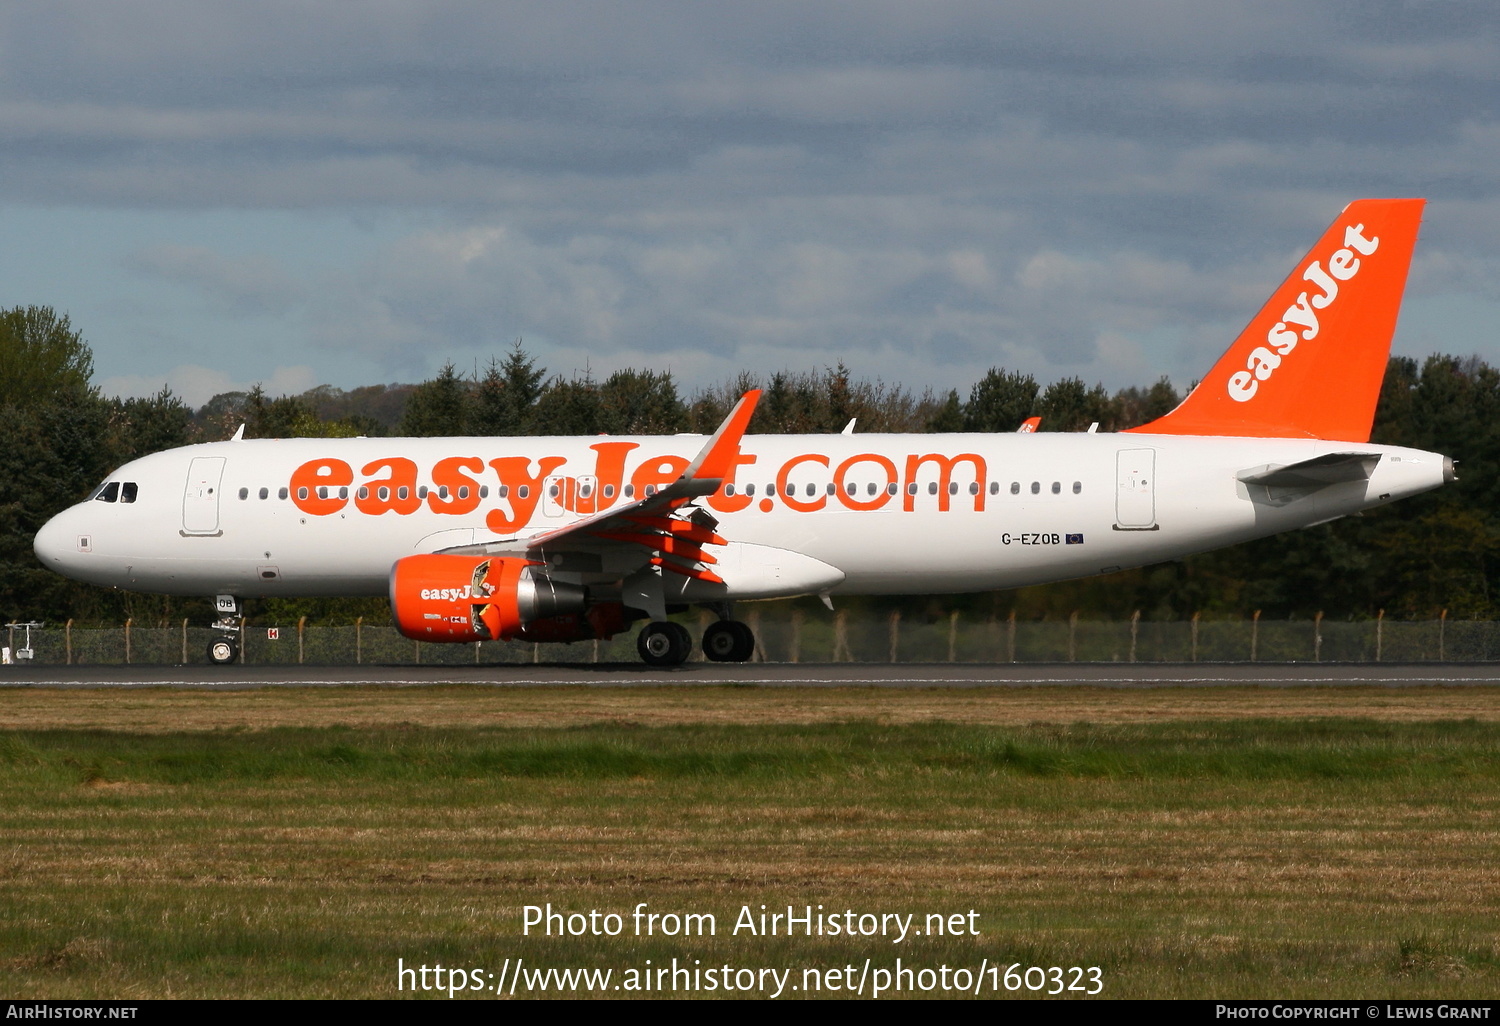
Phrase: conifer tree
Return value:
(1000, 401)
(438, 407)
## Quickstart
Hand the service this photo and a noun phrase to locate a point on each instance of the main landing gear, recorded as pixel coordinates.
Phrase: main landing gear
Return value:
(664, 643)
(729, 641)
(225, 649)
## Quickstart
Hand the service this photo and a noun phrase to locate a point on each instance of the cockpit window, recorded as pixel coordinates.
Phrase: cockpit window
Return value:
(108, 492)
(127, 491)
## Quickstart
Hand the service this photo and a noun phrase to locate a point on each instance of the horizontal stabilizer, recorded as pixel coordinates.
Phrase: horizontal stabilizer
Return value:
(1318, 472)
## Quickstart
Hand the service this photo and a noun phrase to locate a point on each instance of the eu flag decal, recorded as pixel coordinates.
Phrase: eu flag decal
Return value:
(1075, 539)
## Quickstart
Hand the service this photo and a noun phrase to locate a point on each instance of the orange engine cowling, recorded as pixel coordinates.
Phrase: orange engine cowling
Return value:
(476, 598)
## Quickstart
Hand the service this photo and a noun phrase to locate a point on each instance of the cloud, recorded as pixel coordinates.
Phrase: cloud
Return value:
(1090, 185)
(241, 286)
(196, 385)
(780, 299)
(463, 102)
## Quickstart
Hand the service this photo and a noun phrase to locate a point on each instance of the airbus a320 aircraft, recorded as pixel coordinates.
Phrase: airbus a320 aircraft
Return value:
(564, 539)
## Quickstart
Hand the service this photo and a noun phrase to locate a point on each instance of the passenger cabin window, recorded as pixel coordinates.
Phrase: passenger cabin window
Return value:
(109, 493)
(1056, 487)
(1077, 487)
(127, 491)
(281, 494)
(265, 493)
(244, 493)
(1036, 488)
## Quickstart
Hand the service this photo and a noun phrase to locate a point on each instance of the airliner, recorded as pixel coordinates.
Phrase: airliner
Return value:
(572, 538)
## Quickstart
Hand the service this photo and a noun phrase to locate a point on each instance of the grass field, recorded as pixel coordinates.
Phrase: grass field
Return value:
(1213, 842)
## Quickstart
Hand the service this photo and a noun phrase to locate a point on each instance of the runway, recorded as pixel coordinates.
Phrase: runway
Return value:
(769, 675)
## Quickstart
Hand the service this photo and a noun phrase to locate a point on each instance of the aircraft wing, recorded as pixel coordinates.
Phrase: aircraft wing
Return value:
(652, 525)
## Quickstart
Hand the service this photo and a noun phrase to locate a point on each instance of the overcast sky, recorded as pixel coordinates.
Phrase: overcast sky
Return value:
(298, 193)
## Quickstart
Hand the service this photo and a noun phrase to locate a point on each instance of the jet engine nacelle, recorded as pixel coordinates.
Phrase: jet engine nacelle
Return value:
(479, 598)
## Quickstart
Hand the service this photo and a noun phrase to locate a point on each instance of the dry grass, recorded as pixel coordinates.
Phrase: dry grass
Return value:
(161, 710)
(1194, 842)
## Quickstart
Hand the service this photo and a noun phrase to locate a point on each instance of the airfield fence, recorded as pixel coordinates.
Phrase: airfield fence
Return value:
(795, 636)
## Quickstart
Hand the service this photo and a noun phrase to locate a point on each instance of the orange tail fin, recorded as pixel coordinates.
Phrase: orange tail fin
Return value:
(1310, 364)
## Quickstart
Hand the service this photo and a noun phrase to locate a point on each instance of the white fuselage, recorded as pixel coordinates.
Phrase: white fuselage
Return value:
(993, 511)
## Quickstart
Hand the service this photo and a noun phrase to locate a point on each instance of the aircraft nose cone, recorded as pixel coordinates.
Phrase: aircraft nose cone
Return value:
(56, 544)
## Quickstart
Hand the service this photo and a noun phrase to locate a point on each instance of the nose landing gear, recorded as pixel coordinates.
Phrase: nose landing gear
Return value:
(226, 648)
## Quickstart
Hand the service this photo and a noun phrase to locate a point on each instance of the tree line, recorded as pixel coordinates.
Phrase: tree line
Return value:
(1423, 555)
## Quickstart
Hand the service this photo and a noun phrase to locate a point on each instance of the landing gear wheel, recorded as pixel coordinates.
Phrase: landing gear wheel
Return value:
(728, 641)
(745, 650)
(223, 651)
(664, 643)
